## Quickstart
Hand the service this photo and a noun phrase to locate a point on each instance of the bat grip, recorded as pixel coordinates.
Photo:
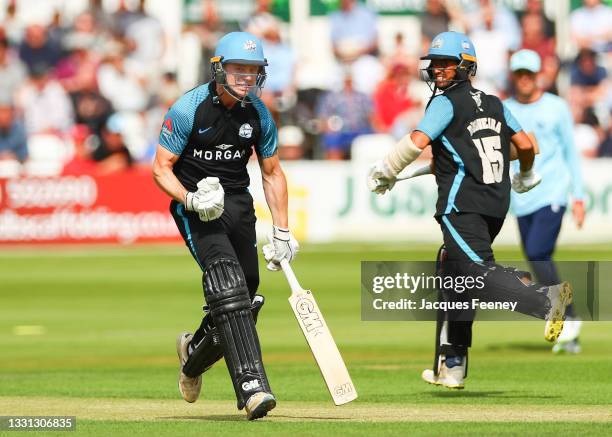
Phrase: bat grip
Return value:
(291, 279)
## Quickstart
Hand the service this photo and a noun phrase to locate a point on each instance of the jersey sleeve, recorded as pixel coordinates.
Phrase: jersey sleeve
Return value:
(178, 121)
(512, 123)
(268, 140)
(438, 116)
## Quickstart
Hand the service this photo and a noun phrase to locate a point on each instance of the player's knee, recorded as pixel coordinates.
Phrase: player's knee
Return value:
(537, 253)
(225, 287)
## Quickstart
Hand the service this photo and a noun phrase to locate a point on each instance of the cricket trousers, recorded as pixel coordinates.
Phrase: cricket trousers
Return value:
(231, 236)
(467, 238)
(539, 232)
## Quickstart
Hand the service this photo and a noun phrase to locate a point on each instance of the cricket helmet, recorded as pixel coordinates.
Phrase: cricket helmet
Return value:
(456, 46)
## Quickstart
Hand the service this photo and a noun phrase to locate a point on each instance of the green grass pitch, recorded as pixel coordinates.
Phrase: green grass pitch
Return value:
(89, 332)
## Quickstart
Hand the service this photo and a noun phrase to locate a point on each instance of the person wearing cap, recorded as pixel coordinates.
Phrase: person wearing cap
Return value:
(206, 141)
(540, 212)
(473, 137)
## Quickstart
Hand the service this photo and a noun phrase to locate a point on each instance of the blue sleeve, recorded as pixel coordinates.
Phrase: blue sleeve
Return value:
(268, 142)
(570, 152)
(178, 122)
(511, 121)
(438, 116)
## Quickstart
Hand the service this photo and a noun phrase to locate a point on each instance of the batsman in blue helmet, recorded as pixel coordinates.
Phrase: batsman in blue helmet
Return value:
(473, 137)
(206, 141)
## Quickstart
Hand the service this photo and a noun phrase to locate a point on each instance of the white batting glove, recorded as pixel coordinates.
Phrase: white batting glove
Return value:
(283, 246)
(208, 201)
(380, 178)
(524, 181)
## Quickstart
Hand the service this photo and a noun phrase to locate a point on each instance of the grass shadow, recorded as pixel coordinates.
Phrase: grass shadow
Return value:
(527, 347)
(487, 394)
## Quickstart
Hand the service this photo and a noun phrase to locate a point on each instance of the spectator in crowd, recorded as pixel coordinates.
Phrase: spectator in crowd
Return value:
(436, 19)
(605, 148)
(279, 90)
(119, 85)
(344, 115)
(493, 53)
(353, 31)
(503, 21)
(80, 66)
(81, 162)
(536, 8)
(46, 106)
(146, 41)
(37, 49)
(12, 24)
(112, 155)
(588, 80)
(535, 39)
(13, 72)
(13, 139)
(100, 16)
(392, 97)
(91, 108)
(588, 133)
(591, 26)
(122, 18)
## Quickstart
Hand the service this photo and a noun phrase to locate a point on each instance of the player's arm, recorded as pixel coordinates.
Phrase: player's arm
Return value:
(164, 176)
(383, 174)
(283, 245)
(572, 159)
(275, 190)
(525, 179)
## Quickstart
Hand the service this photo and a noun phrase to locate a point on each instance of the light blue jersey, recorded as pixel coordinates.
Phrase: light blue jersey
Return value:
(558, 162)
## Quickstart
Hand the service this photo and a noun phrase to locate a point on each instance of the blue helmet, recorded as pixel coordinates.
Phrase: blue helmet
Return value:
(240, 48)
(456, 46)
(451, 45)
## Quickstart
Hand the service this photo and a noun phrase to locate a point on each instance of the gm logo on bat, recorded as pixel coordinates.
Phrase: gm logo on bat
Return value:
(343, 389)
(310, 318)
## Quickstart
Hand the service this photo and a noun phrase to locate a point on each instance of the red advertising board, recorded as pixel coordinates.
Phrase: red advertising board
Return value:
(123, 208)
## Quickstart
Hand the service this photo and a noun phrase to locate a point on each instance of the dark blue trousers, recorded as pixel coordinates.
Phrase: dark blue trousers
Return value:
(539, 233)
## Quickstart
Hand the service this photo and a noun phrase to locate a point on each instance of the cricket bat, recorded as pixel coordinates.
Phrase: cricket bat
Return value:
(320, 340)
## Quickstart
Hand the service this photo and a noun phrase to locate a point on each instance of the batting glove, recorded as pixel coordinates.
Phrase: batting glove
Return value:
(208, 201)
(525, 180)
(380, 178)
(283, 246)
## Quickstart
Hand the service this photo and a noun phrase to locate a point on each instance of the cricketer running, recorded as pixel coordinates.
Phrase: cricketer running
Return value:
(206, 140)
(540, 212)
(471, 134)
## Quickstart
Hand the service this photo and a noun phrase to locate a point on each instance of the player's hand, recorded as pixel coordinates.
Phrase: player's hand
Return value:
(578, 212)
(283, 246)
(380, 178)
(524, 181)
(208, 201)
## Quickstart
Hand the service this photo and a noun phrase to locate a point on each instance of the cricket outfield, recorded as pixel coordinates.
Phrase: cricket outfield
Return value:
(89, 332)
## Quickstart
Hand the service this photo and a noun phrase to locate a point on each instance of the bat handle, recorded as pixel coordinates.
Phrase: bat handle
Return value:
(291, 279)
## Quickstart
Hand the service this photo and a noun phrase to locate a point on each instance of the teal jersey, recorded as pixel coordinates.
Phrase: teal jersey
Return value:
(550, 120)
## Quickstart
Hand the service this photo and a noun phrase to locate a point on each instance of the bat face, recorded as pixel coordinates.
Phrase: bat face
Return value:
(323, 347)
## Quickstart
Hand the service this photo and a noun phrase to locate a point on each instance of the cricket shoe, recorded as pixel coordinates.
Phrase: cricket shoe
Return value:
(560, 296)
(258, 405)
(189, 387)
(448, 377)
(568, 340)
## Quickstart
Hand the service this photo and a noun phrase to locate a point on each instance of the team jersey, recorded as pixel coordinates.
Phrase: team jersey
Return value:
(470, 133)
(550, 120)
(212, 140)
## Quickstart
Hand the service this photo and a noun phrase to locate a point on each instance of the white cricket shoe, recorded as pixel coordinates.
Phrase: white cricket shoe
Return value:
(568, 340)
(259, 404)
(450, 378)
(560, 297)
(189, 387)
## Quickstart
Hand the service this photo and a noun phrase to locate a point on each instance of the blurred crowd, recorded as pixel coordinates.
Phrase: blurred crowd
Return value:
(89, 95)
